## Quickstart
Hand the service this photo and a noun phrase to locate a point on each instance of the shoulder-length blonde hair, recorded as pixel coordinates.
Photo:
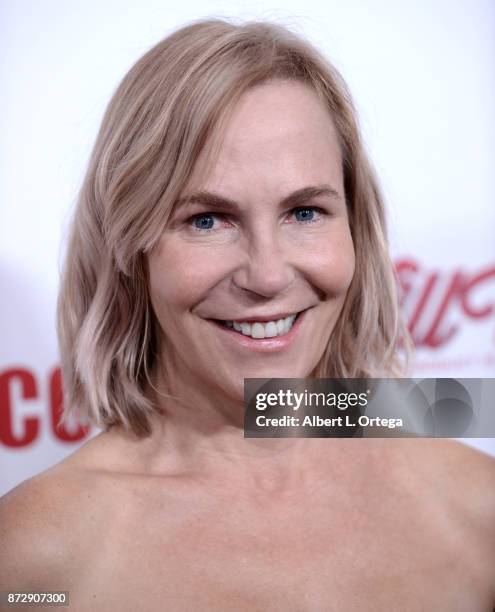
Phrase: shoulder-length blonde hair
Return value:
(156, 124)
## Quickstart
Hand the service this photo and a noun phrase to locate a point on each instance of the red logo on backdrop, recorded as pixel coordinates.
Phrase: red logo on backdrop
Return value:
(25, 381)
(435, 303)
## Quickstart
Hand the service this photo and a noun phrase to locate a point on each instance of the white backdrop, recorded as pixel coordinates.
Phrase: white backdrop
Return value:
(423, 77)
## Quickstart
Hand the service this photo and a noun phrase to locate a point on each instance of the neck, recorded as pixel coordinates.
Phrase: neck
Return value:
(200, 434)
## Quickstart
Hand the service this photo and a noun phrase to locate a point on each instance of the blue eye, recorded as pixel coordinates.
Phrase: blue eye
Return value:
(304, 214)
(203, 222)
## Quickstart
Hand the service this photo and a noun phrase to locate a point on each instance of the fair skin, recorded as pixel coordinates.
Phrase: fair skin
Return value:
(262, 257)
(196, 517)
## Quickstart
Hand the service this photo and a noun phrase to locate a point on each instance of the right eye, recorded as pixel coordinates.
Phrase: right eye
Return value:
(203, 222)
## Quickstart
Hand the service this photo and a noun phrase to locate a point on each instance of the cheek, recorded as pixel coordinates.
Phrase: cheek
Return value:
(333, 264)
(180, 277)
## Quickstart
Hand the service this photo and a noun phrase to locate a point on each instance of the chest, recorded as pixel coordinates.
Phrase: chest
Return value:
(309, 557)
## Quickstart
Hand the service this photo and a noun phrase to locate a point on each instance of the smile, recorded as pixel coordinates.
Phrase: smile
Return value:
(265, 329)
(271, 334)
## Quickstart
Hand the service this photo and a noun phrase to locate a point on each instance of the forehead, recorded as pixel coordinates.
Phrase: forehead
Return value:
(279, 128)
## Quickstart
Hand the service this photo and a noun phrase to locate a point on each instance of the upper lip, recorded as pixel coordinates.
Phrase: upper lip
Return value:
(264, 318)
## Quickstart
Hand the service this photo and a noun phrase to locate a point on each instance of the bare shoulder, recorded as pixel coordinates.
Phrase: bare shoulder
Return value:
(49, 523)
(457, 483)
(472, 481)
(467, 473)
(33, 533)
(456, 472)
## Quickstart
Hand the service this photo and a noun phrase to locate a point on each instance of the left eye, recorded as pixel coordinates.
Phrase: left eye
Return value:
(306, 215)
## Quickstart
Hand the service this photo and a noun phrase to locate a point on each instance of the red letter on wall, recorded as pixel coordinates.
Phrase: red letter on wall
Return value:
(29, 391)
(56, 408)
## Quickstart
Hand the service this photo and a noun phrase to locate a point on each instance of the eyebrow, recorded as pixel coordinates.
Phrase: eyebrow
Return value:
(296, 198)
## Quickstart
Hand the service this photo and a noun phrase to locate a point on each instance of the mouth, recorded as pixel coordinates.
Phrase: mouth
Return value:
(261, 330)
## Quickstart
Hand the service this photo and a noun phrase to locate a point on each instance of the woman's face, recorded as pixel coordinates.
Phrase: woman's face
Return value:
(271, 241)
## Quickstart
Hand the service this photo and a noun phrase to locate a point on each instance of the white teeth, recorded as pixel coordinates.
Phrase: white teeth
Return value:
(271, 329)
(257, 330)
(268, 329)
(246, 329)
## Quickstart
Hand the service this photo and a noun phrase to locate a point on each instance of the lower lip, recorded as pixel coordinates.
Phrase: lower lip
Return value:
(264, 345)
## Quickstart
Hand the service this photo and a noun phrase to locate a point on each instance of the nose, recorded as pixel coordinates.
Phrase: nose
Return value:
(266, 268)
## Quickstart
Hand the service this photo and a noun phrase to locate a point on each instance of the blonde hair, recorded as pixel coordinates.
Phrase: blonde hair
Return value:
(158, 121)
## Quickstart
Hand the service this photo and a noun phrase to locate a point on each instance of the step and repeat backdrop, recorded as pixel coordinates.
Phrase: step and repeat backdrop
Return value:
(423, 79)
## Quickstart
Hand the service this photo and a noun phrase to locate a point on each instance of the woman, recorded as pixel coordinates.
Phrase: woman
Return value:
(230, 227)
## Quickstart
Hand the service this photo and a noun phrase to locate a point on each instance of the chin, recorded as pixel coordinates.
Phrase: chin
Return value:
(279, 372)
